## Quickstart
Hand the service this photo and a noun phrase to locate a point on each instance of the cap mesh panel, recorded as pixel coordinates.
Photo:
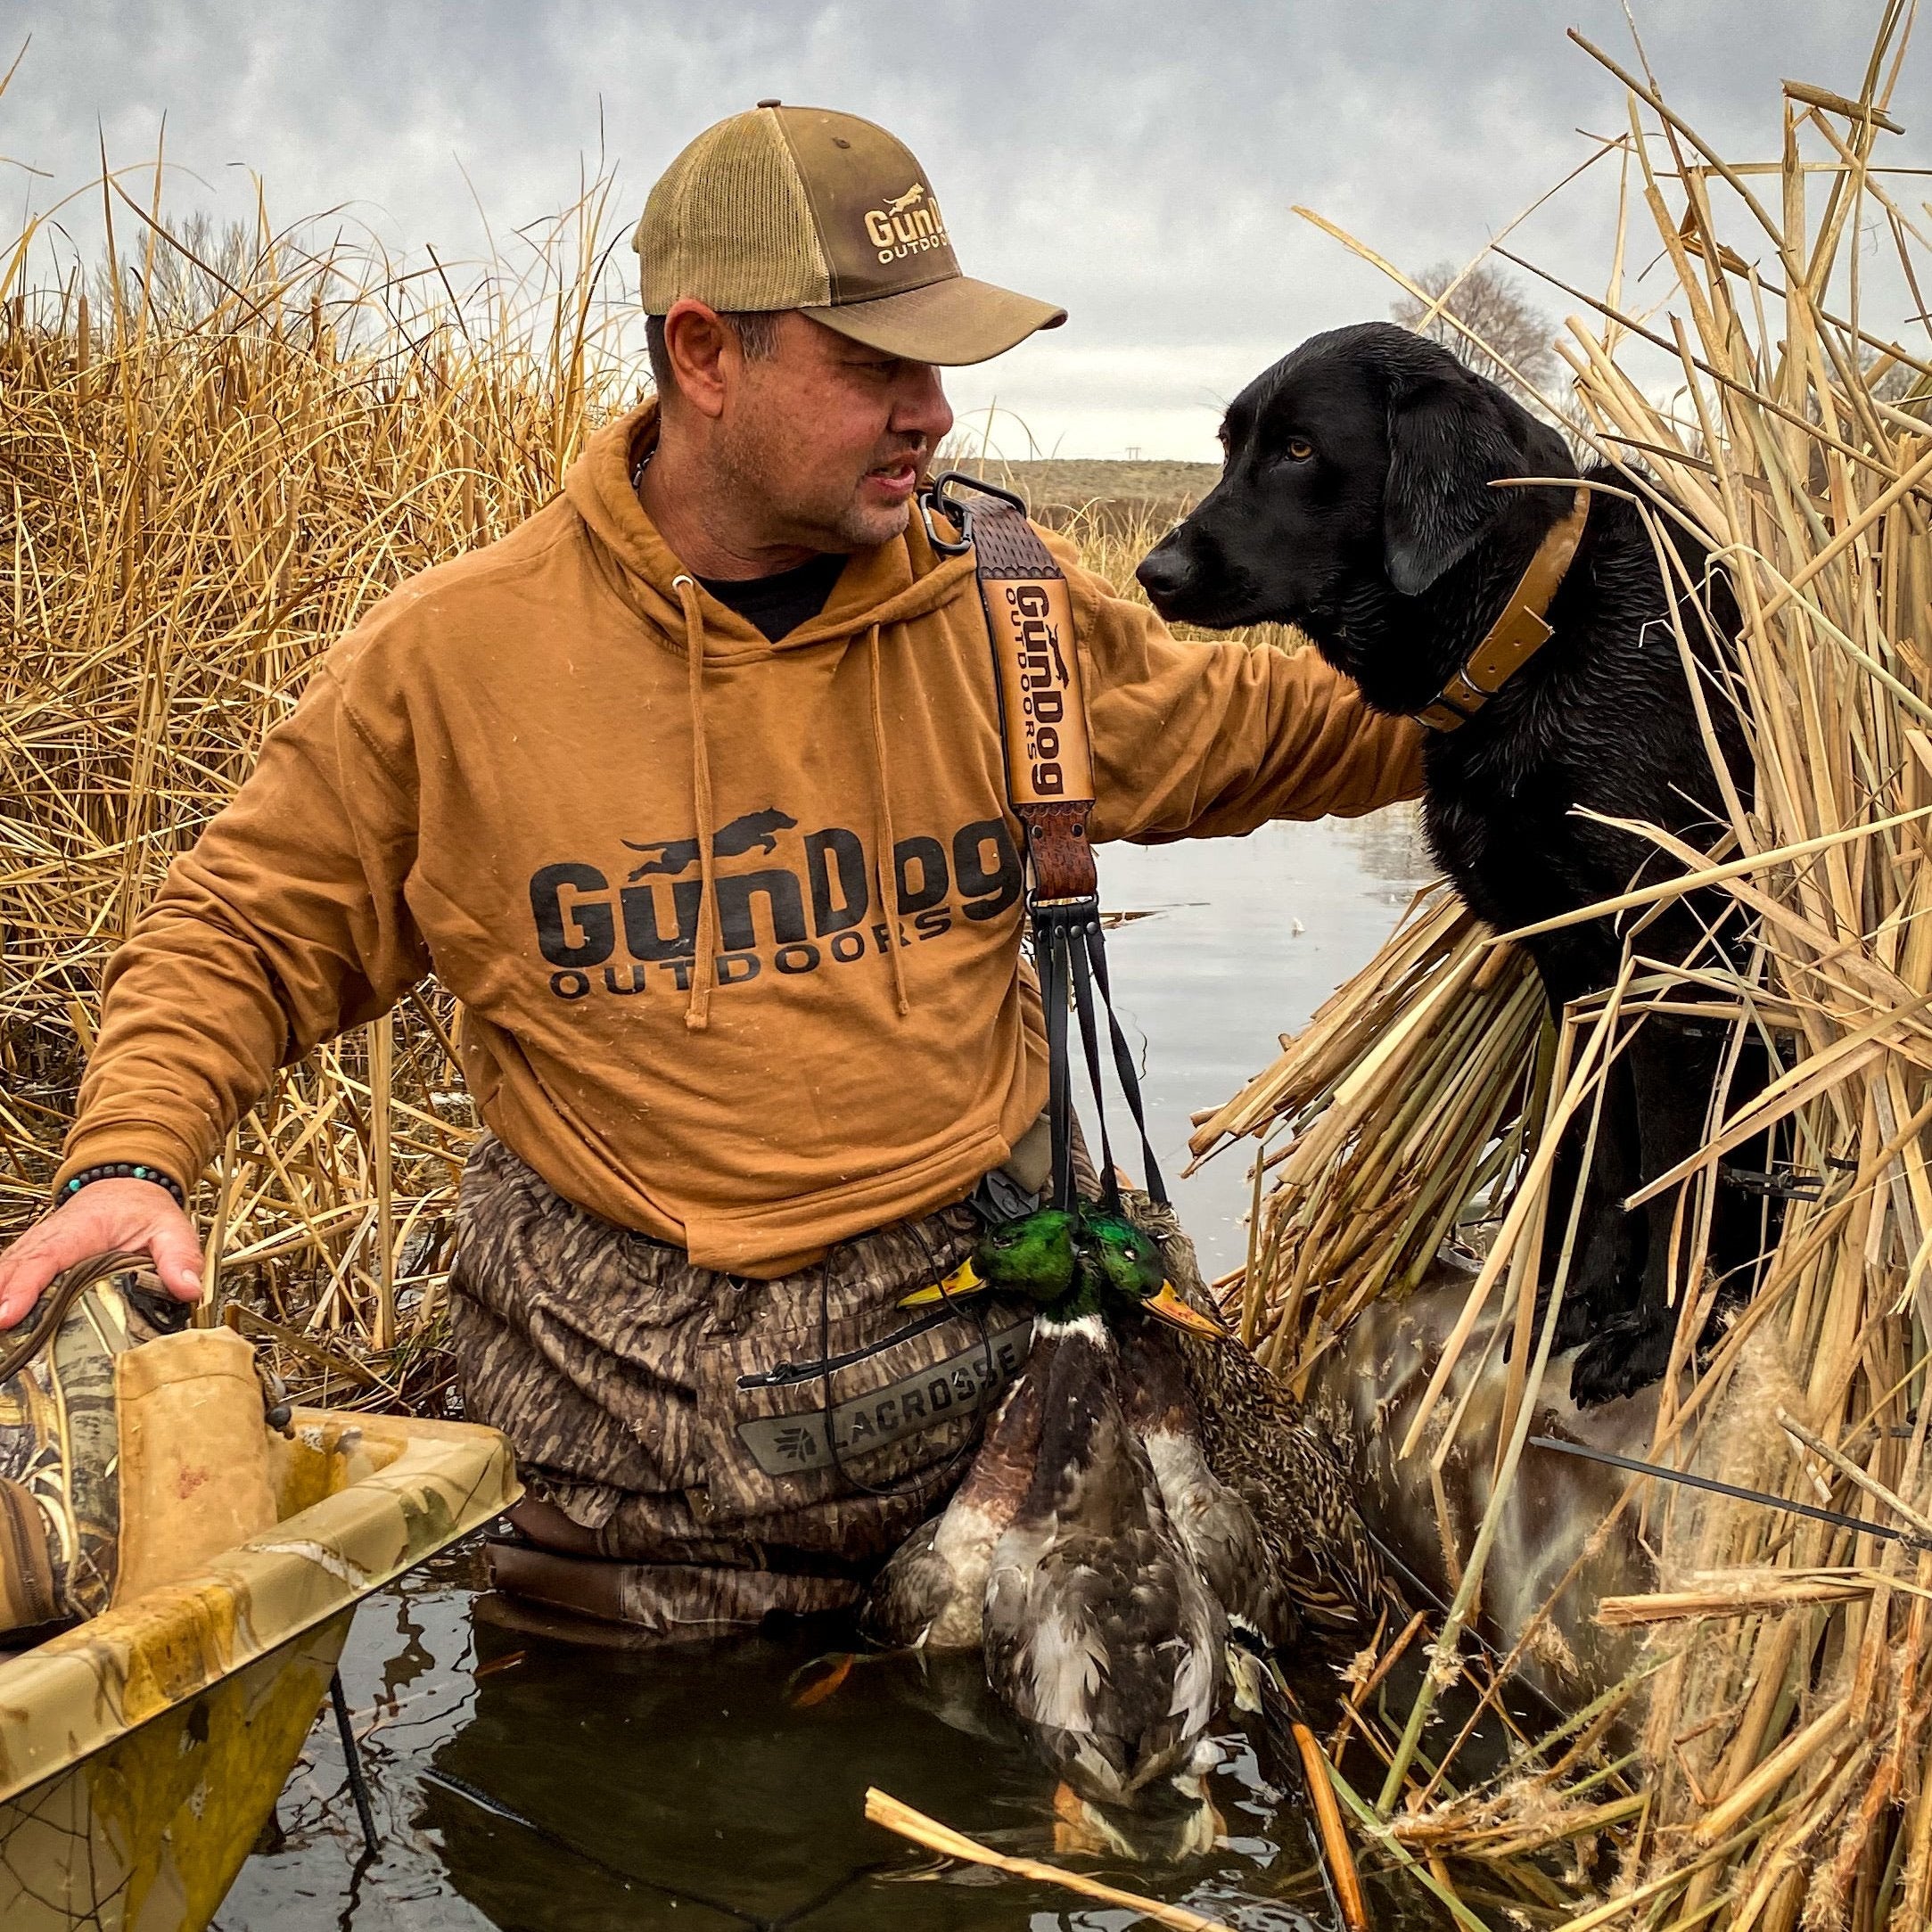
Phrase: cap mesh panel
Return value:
(728, 223)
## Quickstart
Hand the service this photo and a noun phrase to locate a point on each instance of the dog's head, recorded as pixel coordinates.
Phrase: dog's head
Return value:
(1358, 476)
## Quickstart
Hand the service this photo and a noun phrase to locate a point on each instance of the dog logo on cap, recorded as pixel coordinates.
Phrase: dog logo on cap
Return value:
(908, 224)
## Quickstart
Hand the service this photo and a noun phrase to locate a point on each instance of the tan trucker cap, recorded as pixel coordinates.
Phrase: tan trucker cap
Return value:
(804, 208)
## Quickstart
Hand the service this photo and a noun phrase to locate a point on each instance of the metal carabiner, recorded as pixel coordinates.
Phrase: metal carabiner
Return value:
(945, 545)
(936, 495)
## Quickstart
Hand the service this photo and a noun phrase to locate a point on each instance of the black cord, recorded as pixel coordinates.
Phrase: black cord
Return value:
(1089, 1043)
(1124, 1063)
(1050, 959)
(915, 1479)
(486, 1801)
(359, 1785)
(1072, 970)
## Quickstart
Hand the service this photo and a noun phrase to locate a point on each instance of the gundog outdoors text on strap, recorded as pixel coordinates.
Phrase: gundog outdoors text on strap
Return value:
(1049, 781)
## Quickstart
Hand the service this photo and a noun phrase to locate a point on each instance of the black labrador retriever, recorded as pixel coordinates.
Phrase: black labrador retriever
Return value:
(1357, 502)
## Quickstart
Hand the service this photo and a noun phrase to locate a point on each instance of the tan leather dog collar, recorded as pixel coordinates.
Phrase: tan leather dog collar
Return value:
(1517, 635)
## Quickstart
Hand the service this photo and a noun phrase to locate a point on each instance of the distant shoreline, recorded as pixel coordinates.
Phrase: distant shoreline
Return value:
(1117, 490)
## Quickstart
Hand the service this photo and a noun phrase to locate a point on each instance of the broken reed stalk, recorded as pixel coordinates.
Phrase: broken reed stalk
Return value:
(1340, 1856)
(1779, 1771)
(884, 1809)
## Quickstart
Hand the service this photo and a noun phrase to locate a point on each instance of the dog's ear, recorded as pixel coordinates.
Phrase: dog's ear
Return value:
(1449, 440)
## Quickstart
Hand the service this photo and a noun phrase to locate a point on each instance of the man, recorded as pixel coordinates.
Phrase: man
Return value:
(691, 790)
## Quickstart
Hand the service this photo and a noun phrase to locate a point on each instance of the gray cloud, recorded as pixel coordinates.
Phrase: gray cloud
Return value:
(1135, 160)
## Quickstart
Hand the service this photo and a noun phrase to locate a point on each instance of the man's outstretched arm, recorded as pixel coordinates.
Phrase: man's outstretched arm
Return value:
(283, 925)
(1199, 740)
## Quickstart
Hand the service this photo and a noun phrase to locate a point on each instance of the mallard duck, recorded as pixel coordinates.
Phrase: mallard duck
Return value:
(929, 1594)
(1291, 1473)
(1230, 1438)
(1100, 1634)
(1215, 1523)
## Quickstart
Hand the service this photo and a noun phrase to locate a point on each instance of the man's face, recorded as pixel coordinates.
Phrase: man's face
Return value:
(831, 438)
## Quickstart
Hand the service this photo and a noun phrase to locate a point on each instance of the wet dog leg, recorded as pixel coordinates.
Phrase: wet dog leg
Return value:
(1673, 1069)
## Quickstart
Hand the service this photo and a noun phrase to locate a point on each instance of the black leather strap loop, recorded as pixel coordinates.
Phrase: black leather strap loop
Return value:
(1127, 1073)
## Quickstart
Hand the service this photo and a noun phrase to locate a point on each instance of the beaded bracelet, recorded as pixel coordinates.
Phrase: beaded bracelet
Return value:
(125, 1171)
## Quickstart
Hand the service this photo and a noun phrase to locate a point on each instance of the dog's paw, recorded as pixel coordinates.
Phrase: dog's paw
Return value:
(1626, 1353)
(1576, 1321)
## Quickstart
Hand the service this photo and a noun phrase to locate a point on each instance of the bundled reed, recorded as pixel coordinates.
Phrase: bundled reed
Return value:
(1780, 1770)
(1407, 1100)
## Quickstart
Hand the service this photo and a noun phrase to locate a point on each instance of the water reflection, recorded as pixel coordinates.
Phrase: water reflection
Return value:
(523, 1782)
(1253, 935)
(720, 1801)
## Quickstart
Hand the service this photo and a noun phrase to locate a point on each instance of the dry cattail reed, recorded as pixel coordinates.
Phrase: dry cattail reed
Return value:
(204, 490)
(1778, 1774)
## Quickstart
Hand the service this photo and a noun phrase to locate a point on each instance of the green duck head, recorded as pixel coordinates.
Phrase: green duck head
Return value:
(1036, 1256)
(1033, 1257)
(1071, 1265)
(1126, 1257)
(1129, 1261)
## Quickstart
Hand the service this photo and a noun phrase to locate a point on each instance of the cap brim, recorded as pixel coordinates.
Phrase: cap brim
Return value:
(956, 321)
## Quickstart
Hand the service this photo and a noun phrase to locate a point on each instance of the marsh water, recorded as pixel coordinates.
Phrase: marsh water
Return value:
(523, 1782)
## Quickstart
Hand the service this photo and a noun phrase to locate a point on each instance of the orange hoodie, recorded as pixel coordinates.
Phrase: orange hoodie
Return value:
(736, 925)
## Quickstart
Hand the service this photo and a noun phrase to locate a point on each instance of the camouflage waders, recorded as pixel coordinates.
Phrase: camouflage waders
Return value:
(705, 1449)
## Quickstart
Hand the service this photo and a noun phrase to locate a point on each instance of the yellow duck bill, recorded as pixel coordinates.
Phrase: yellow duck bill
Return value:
(1170, 1307)
(965, 1280)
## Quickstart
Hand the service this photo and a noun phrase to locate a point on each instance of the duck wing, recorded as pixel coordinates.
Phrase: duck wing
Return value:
(1099, 1635)
(1298, 1483)
(909, 1594)
(930, 1592)
(1216, 1525)
(1260, 1442)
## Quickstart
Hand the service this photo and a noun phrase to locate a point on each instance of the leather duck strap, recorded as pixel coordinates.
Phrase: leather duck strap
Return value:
(1042, 707)
(1049, 784)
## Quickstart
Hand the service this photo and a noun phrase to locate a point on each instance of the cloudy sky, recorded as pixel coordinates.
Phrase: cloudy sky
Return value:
(1137, 160)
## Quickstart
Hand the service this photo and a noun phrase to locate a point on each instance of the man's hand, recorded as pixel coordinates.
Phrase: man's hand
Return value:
(104, 1216)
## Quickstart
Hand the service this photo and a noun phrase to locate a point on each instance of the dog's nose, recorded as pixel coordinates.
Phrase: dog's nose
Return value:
(1164, 571)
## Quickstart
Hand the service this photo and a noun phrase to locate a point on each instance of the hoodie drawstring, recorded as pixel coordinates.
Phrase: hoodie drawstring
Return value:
(697, 1014)
(885, 865)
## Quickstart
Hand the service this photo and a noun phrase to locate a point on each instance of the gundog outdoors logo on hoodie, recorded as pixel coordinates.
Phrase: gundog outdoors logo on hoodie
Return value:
(809, 907)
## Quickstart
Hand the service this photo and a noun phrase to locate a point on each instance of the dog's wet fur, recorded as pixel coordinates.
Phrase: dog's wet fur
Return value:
(1356, 503)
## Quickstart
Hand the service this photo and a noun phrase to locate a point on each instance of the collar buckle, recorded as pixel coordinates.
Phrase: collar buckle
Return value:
(1518, 633)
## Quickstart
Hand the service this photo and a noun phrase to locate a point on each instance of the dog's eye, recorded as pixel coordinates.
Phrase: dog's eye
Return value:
(1300, 449)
